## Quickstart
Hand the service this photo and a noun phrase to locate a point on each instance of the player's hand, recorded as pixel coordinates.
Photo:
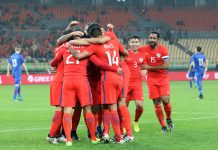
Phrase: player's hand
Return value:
(110, 26)
(143, 72)
(119, 70)
(144, 67)
(52, 69)
(73, 23)
(8, 74)
(78, 33)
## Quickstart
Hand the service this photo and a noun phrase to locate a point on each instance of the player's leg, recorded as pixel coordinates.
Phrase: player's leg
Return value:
(159, 114)
(168, 109)
(115, 121)
(125, 119)
(67, 124)
(90, 122)
(17, 80)
(75, 121)
(138, 112)
(199, 77)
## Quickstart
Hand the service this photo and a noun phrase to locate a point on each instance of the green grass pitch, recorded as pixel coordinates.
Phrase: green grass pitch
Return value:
(25, 125)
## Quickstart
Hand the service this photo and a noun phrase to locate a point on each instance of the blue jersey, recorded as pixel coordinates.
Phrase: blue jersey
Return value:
(16, 60)
(199, 61)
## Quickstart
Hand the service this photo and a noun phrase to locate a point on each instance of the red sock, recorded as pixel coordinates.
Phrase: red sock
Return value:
(106, 120)
(121, 123)
(138, 113)
(124, 112)
(56, 123)
(90, 122)
(76, 119)
(168, 108)
(115, 121)
(100, 117)
(67, 123)
(159, 114)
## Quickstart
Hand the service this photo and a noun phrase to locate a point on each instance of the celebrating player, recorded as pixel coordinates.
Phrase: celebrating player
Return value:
(157, 62)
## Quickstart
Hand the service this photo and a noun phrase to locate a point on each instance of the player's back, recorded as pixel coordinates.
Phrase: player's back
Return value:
(199, 60)
(109, 53)
(16, 60)
(74, 68)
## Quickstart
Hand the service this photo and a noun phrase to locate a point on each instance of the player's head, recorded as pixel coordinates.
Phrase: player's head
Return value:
(94, 30)
(66, 32)
(153, 39)
(198, 49)
(17, 49)
(134, 42)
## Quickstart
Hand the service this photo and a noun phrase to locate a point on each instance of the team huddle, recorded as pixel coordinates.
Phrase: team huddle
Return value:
(95, 73)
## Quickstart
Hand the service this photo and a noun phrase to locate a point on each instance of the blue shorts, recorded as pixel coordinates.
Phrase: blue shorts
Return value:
(17, 79)
(191, 74)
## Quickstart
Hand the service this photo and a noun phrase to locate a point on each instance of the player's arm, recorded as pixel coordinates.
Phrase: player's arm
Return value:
(99, 40)
(206, 66)
(58, 58)
(79, 55)
(103, 65)
(191, 66)
(164, 65)
(8, 70)
(24, 66)
(64, 38)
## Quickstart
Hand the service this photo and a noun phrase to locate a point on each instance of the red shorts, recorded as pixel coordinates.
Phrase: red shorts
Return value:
(55, 93)
(135, 92)
(96, 92)
(111, 90)
(158, 89)
(76, 89)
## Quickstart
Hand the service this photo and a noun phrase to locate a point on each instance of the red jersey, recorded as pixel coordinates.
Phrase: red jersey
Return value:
(59, 75)
(155, 57)
(109, 53)
(134, 62)
(73, 68)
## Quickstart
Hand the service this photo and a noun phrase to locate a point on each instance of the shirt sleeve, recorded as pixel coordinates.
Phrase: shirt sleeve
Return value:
(91, 49)
(58, 58)
(101, 64)
(165, 55)
(112, 35)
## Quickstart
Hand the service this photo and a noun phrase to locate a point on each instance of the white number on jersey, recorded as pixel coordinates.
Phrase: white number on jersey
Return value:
(200, 62)
(153, 60)
(113, 60)
(68, 61)
(14, 62)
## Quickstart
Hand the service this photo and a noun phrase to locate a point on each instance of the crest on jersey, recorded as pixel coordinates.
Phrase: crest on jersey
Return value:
(158, 55)
(140, 60)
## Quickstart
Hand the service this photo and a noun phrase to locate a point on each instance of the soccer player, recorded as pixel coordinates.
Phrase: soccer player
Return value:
(157, 62)
(200, 63)
(135, 90)
(111, 82)
(16, 60)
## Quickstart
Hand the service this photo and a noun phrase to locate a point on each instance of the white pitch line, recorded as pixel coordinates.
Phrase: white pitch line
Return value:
(36, 129)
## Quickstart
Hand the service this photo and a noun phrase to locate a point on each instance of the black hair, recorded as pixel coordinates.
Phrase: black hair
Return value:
(134, 37)
(198, 49)
(94, 30)
(158, 34)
